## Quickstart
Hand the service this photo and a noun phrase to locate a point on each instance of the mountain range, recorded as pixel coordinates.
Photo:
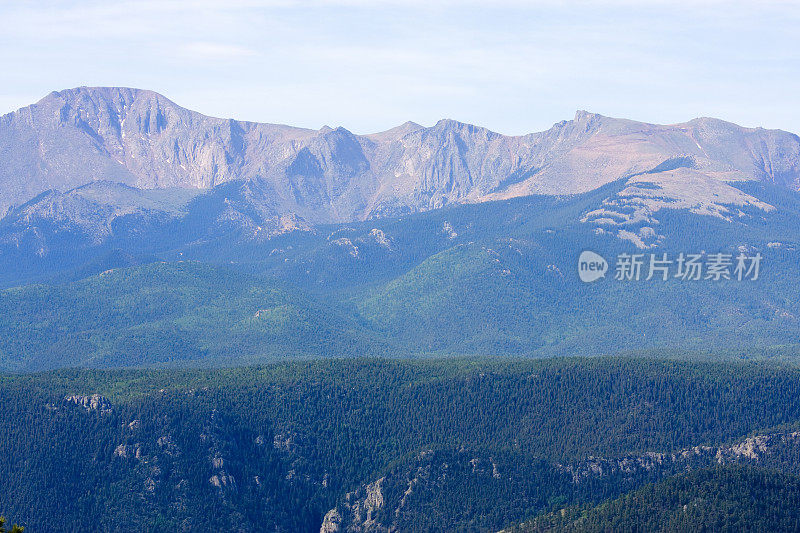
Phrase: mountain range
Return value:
(137, 232)
(208, 324)
(113, 152)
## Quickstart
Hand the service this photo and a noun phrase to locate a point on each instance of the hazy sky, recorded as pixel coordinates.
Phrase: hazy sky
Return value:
(368, 65)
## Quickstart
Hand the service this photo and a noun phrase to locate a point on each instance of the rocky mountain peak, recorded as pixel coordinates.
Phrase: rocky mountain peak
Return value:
(397, 132)
(143, 140)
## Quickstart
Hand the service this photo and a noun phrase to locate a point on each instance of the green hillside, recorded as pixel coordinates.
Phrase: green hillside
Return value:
(491, 279)
(168, 314)
(522, 297)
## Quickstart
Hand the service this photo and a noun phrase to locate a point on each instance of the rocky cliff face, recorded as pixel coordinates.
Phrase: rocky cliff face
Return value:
(93, 403)
(397, 501)
(129, 136)
(143, 140)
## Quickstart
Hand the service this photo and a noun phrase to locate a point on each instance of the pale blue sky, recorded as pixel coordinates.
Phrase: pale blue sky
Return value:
(514, 67)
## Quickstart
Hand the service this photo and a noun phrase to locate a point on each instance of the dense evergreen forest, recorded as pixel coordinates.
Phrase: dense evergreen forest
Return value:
(474, 444)
(712, 499)
(190, 314)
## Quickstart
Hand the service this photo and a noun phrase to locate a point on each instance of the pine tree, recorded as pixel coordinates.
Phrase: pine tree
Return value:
(14, 529)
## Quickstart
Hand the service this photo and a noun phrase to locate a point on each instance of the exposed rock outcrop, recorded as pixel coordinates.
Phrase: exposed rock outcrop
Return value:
(93, 403)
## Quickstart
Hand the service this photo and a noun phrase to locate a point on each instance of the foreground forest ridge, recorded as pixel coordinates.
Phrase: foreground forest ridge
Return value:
(354, 445)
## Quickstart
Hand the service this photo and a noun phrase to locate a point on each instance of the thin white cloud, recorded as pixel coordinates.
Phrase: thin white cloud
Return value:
(511, 65)
(215, 51)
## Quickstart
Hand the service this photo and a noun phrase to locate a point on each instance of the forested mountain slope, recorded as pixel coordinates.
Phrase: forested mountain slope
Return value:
(475, 444)
(714, 499)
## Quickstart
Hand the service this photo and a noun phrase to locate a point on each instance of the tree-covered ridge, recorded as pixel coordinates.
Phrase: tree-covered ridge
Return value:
(168, 314)
(732, 498)
(518, 303)
(284, 444)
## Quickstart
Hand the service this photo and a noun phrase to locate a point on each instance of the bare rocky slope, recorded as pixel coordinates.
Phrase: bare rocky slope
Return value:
(141, 139)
